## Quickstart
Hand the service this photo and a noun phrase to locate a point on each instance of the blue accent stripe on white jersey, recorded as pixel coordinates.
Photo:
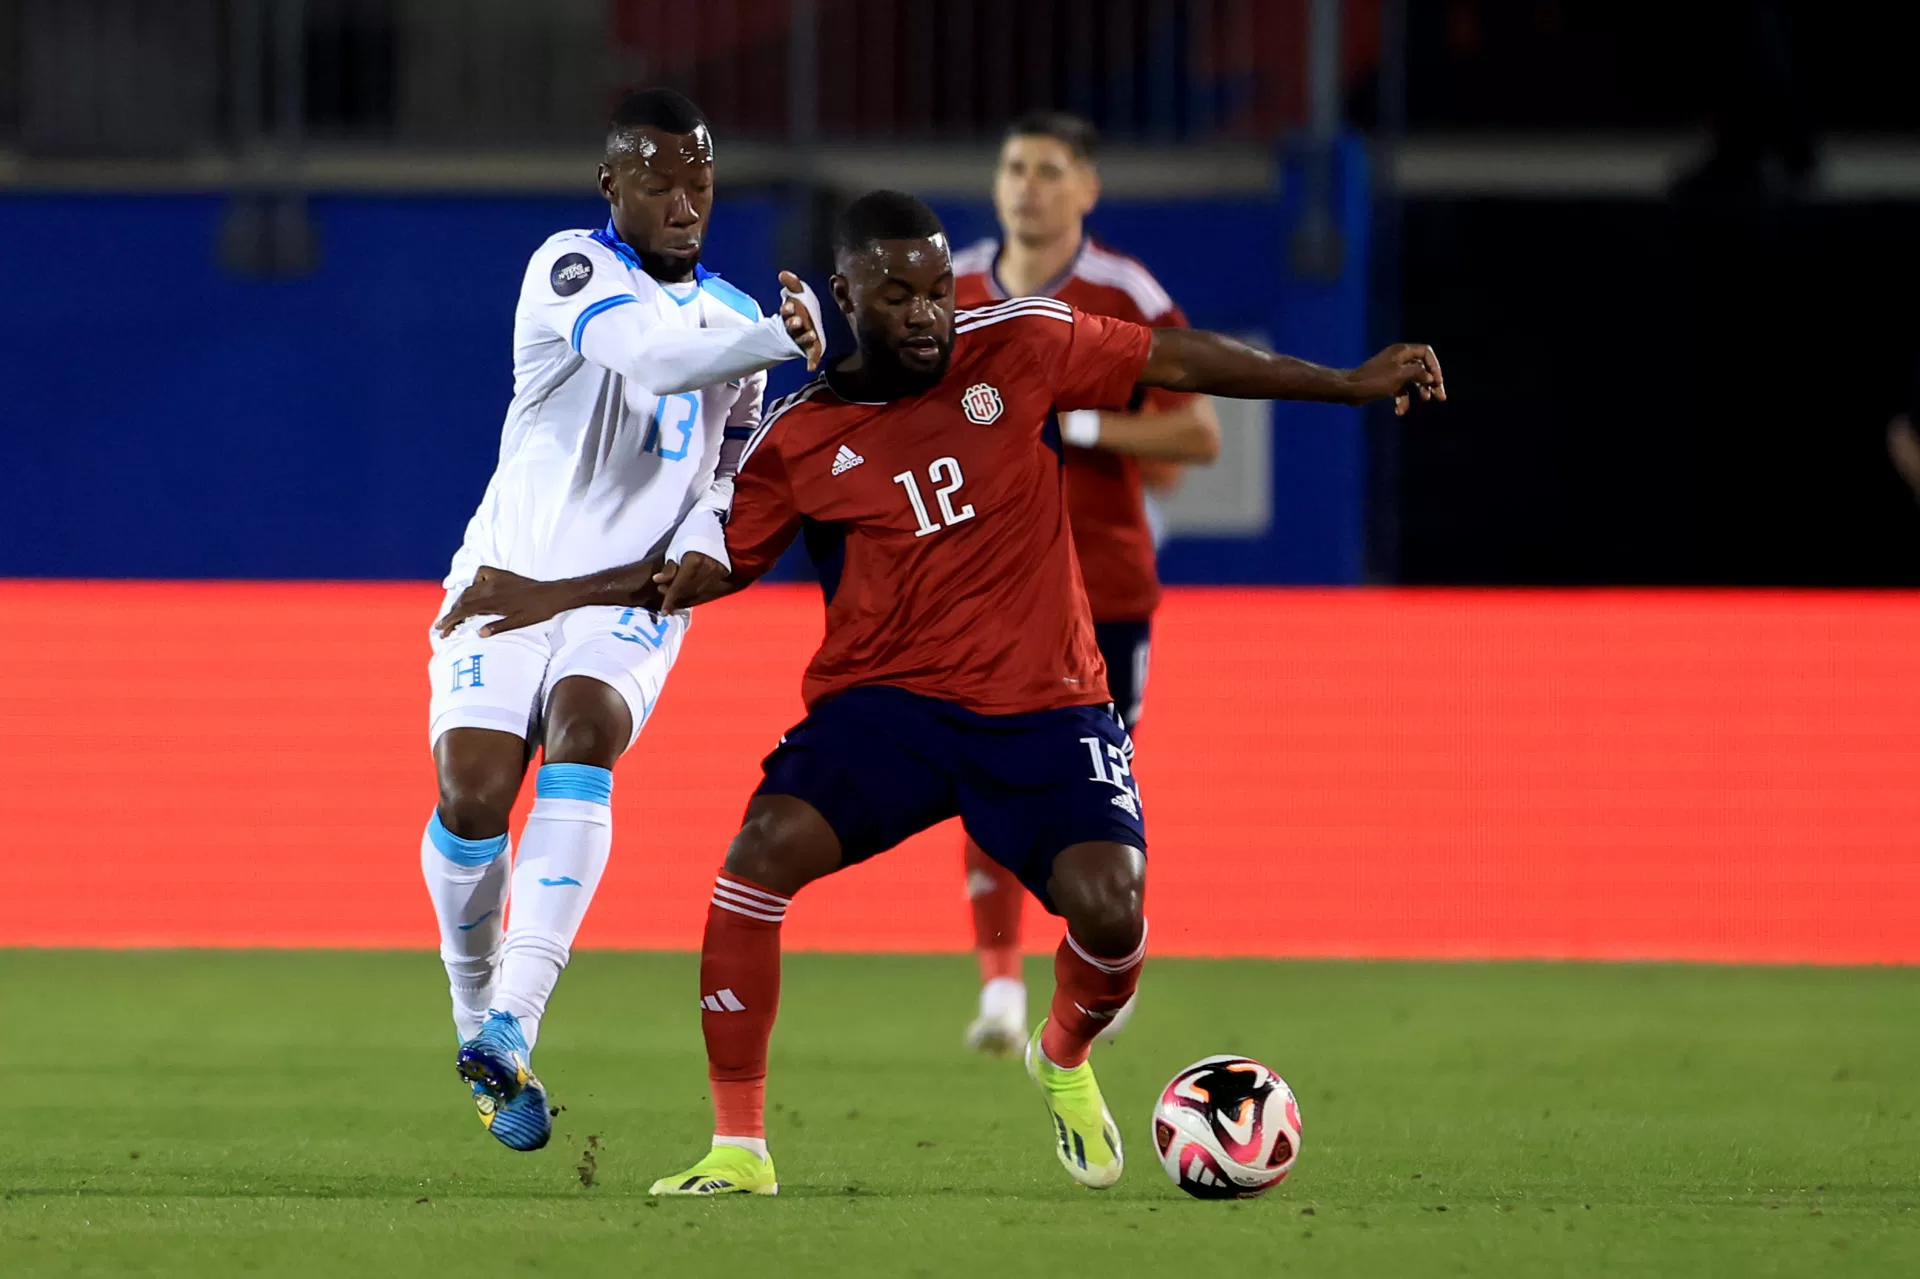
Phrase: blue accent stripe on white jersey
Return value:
(604, 304)
(609, 235)
(729, 296)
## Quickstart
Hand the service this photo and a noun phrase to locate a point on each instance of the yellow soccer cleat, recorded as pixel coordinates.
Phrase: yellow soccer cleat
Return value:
(727, 1170)
(1087, 1141)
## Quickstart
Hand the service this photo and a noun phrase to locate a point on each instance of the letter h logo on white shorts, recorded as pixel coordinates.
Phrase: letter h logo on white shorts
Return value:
(502, 682)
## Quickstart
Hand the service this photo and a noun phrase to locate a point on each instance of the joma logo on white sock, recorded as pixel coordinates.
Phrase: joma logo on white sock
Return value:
(722, 1001)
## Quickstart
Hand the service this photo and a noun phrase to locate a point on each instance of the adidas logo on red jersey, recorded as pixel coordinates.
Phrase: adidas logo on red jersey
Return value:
(845, 460)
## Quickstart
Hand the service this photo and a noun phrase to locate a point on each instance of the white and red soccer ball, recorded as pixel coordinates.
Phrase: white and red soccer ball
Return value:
(1227, 1127)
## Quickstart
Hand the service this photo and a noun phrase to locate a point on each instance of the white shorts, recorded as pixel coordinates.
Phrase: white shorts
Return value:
(503, 682)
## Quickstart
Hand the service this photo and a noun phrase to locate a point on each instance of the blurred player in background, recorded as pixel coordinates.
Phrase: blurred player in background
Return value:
(637, 383)
(959, 674)
(1903, 437)
(1043, 190)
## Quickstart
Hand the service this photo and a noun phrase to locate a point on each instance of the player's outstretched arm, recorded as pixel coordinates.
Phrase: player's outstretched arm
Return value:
(696, 579)
(513, 601)
(1194, 360)
(668, 361)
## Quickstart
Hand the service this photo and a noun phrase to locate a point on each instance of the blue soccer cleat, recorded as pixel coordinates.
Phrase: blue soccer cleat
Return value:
(509, 1096)
(525, 1123)
(497, 1057)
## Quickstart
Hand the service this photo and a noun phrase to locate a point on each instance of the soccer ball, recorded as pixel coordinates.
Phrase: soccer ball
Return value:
(1227, 1128)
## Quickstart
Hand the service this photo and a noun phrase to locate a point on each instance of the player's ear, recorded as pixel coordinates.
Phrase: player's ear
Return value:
(842, 294)
(1090, 188)
(607, 188)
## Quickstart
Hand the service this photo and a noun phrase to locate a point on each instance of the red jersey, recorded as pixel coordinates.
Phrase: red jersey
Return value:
(1106, 501)
(937, 521)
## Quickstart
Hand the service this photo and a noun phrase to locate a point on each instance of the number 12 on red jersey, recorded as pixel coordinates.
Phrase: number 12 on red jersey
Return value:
(945, 472)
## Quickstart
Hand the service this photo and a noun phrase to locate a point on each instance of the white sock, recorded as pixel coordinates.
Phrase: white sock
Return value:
(563, 853)
(467, 880)
(752, 1145)
(1004, 997)
(1119, 1022)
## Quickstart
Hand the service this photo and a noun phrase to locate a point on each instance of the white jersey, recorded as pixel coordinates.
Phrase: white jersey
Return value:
(595, 471)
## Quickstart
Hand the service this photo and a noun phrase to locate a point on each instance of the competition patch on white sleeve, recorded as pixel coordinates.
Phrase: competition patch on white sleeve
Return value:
(571, 272)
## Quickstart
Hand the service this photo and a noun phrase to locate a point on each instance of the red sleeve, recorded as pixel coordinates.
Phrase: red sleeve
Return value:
(1102, 362)
(1157, 398)
(762, 521)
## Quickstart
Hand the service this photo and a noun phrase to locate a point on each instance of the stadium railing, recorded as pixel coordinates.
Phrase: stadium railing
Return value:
(180, 78)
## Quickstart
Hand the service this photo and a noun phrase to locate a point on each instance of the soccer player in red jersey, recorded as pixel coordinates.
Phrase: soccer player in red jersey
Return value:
(959, 674)
(1044, 187)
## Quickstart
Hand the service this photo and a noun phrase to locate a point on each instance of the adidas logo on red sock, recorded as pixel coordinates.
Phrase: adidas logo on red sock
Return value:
(722, 1001)
(742, 898)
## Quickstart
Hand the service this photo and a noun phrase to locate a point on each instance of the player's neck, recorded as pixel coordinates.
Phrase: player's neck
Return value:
(667, 271)
(663, 269)
(852, 378)
(863, 381)
(1027, 269)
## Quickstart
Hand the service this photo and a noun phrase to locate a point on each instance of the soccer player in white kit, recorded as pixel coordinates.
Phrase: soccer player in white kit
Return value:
(637, 383)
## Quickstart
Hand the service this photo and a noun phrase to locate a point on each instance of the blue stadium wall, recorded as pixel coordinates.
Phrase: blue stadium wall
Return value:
(165, 418)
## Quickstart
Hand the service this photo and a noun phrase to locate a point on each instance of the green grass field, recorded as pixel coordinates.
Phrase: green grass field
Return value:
(222, 1114)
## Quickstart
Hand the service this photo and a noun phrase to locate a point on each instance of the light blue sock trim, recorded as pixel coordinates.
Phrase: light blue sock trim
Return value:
(464, 852)
(574, 781)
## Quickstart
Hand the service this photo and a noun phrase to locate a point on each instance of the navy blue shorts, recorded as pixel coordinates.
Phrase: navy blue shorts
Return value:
(1126, 646)
(882, 764)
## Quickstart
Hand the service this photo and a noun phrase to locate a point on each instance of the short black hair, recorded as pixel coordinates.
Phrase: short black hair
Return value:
(661, 109)
(1079, 136)
(884, 215)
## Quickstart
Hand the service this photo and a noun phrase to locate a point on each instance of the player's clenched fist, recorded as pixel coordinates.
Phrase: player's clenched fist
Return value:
(694, 580)
(512, 600)
(1401, 371)
(801, 311)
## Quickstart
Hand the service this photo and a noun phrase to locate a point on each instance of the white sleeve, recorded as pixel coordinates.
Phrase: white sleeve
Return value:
(577, 288)
(665, 361)
(705, 527)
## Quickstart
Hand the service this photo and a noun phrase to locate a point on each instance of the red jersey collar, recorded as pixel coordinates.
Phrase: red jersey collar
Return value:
(1048, 289)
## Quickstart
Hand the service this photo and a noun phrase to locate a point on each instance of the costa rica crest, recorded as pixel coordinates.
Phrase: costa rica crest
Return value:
(982, 404)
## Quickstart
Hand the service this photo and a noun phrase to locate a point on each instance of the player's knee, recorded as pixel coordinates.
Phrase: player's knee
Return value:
(783, 845)
(1101, 890)
(479, 771)
(587, 723)
(477, 805)
(584, 741)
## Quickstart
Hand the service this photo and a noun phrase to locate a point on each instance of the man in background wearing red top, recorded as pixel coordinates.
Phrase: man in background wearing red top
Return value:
(1043, 190)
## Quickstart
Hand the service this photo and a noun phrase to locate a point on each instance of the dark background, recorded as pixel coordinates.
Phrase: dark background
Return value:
(1688, 385)
(1657, 394)
(246, 337)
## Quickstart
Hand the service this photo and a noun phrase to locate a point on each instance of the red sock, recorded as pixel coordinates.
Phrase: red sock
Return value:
(739, 995)
(1087, 992)
(995, 896)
